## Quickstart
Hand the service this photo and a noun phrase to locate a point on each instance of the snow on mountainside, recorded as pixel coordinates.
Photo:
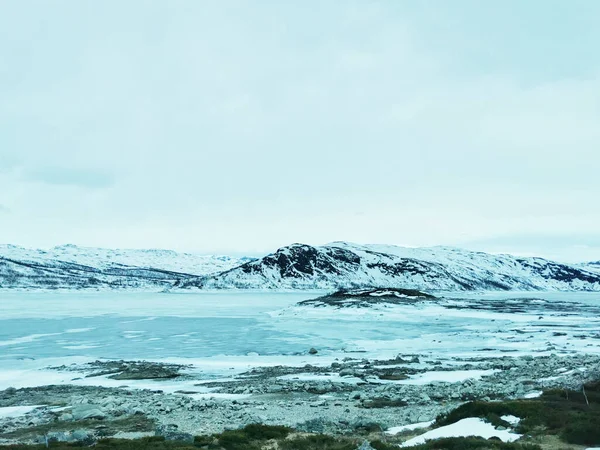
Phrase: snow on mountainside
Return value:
(591, 266)
(333, 266)
(345, 265)
(103, 257)
(70, 266)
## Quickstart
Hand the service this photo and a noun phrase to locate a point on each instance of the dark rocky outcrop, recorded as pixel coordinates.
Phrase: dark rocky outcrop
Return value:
(367, 297)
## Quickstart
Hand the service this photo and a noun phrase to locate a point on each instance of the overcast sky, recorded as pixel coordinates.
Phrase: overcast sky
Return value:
(241, 126)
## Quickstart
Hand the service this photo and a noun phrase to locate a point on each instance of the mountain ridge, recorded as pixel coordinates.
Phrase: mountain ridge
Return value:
(338, 265)
(72, 267)
(592, 266)
(342, 265)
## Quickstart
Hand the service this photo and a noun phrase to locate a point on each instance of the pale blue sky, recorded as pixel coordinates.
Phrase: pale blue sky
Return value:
(246, 125)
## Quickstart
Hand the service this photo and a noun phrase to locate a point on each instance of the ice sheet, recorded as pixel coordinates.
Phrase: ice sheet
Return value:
(222, 334)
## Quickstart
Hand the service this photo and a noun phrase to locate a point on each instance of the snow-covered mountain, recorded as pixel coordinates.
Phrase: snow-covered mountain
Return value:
(345, 265)
(333, 266)
(69, 266)
(591, 266)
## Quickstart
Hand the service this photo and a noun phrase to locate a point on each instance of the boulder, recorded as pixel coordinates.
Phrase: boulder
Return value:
(84, 412)
(171, 433)
(318, 404)
(83, 436)
(355, 395)
(59, 436)
(365, 446)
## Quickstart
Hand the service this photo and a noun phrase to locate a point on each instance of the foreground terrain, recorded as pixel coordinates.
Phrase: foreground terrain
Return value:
(387, 367)
(352, 400)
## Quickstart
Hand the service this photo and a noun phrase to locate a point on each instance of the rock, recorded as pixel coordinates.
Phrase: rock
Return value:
(313, 351)
(317, 425)
(83, 436)
(171, 433)
(88, 412)
(180, 437)
(137, 370)
(66, 417)
(59, 436)
(362, 426)
(365, 446)
(108, 406)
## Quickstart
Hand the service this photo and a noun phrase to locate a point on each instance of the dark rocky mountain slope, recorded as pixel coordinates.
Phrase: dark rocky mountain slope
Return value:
(343, 265)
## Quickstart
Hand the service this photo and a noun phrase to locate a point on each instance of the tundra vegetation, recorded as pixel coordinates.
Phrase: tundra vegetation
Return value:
(557, 419)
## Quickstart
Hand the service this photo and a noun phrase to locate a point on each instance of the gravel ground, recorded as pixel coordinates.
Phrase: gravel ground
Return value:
(348, 397)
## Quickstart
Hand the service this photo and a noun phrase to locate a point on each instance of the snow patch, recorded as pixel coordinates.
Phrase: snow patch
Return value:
(454, 376)
(535, 394)
(413, 426)
(17, 411)
(513, 420)
(472, 426)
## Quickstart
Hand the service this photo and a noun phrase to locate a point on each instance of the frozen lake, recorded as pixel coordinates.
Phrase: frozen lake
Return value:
(224, 331)
(142, 325)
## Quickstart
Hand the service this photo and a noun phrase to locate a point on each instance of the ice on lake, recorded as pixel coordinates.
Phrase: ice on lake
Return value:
(224, 333)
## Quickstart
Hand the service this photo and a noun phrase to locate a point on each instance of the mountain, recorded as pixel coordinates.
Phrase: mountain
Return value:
(69, 267)
(591, 266)
(342, 265)
(339, 265)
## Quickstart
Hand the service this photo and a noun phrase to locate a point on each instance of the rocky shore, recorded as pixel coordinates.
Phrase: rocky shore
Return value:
(350, 396)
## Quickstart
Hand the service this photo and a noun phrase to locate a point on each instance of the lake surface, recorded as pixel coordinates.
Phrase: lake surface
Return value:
(224, 330)
(143, 325)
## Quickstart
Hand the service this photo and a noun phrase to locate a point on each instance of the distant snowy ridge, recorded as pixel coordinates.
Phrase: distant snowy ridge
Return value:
(339, 265)
(591, 266)
(69, 267)
(342, 265)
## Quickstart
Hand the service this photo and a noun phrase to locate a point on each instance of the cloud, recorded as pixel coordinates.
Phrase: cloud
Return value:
(248, 127)
(7, 162)
(573, 247)
(63, 176)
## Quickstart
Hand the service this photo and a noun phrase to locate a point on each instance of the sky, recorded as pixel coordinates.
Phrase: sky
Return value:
(243, 126)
